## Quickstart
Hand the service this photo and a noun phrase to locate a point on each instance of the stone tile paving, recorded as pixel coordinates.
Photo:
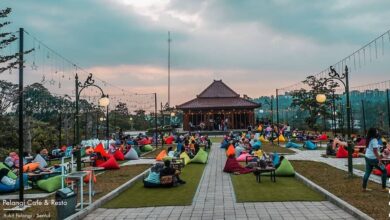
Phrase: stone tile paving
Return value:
(215, 199)
(339, 163)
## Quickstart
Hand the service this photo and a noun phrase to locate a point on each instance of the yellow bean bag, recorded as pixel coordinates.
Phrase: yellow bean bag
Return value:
(187, 159)
(262, 139)
(30, 167)
(230, 151)
(161, 155)
(281, 139)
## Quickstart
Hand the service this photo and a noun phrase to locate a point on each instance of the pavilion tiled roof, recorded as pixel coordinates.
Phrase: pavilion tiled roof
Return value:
(218, 95)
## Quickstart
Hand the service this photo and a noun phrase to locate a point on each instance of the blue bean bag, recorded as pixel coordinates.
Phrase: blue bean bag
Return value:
(256, 145)
(7, 188)
(293, 145)
(310, 145)
(276, 159)
(154, 177)
(224, 144)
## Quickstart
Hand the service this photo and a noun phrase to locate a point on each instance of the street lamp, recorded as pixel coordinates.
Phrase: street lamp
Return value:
(321, 98)
(103, 102)
(131, 123)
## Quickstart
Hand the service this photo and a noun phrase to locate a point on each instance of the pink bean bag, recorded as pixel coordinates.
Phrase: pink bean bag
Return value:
(342, 152)
(242, 157)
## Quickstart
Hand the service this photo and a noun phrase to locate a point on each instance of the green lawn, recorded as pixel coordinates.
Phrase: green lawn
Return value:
(215, 139)
(361, 167)
(269, 148)
(285, 189)
(138, 196)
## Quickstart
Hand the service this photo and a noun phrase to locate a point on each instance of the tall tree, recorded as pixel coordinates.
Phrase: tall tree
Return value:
(8, 95)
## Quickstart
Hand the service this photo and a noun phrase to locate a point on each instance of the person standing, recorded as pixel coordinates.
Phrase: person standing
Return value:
(373, 159)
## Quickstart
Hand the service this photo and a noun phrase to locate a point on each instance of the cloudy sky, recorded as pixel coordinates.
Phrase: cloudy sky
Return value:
(255, 46)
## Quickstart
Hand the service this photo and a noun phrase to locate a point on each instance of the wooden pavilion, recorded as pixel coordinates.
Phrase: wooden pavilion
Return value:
(218, 107)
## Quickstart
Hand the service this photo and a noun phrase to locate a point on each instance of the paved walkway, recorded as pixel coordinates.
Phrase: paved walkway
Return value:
(215, 200)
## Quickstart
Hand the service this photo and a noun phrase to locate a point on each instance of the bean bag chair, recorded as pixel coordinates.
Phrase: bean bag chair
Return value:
(238, 150)
(323, 137)
(119, 155)
(161, 155)
(50, 184)
(200, 157)
(224, 144)
(230, 151)
(232, 166)
(100, 149)
(89, 151)
(169, 140)
(110, 164)
(10, 173)
(82, 151)
(285, 169)
(68, 151)
(136, 148)
(342, 152)
(275, 159)
(293, 145)
(379, 172)
(187, 159)
(87, 177)
(256, 145)
(153, 180)
(7, 188)
(147, 148)
(131, 154)
(39, 159)
(30, 167)
(310, 145)
(262, 139)
(280, 138)
(242, 157)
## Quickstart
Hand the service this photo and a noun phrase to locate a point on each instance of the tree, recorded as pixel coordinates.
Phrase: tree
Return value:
(306, 100)
(8, 95)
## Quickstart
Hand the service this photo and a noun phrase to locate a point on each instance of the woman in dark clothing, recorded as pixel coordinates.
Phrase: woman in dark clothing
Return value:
(169, 171)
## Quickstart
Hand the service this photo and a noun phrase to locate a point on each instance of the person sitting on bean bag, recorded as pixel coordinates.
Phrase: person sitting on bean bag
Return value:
(4, 179)
(170, 176)
(232, 166)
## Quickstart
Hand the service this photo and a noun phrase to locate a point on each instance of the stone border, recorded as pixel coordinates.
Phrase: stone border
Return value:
(98, 203)
(333, 199)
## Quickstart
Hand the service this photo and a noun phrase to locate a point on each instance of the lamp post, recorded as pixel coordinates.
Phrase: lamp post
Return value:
(364, 117)
(131, 123)
(104, 101)
(321, 98)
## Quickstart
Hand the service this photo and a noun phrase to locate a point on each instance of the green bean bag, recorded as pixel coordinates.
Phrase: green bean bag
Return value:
(167, 158)
(187, 159)
(10, 173)
(82, 151)
(51, 184)
(200, 157)
(147, 148)
(285, 169)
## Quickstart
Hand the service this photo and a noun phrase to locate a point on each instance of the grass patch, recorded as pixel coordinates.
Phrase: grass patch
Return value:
(106, 182)
(153, 154)
(374, 203)
(269, 148)
(138, 196)
(285, 189)
(215, 139)
(361, 167)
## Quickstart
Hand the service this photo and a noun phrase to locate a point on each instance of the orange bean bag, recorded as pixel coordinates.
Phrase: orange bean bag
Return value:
(100, 149)
(30, 167)
(86, 178)
(161, 155)
(230, 151)
(119, 155)
(342, 152)
(110, 164)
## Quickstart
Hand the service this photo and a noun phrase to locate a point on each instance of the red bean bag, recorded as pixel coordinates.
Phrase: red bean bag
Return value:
(230, 151)
(323, 137)
(232, 166)
(169, 140)
(119, 155)
(342, 152)
(110, 164)
(86, 178)
(379, 173)
(100, 149)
